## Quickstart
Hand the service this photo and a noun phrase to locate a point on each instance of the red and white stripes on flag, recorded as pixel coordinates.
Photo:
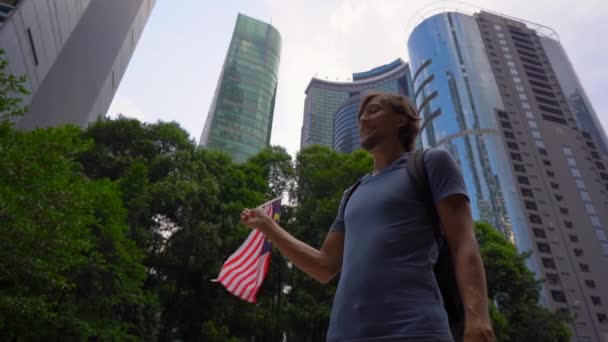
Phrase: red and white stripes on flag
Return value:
(245, 270)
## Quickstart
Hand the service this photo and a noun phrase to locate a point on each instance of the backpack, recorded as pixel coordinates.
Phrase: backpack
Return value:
(444, 267)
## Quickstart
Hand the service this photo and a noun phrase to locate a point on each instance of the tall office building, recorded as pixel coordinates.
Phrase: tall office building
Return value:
(330, 108)
(498, 93)
(73, 53)
(240, 118)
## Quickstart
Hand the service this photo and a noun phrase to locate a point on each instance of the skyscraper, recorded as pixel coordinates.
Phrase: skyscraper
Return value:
(502, 97)
(73, 53)
(240, 118)
(330, 108)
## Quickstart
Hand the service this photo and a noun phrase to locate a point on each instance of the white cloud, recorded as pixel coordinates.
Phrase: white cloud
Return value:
(127, 107)
(347, 15)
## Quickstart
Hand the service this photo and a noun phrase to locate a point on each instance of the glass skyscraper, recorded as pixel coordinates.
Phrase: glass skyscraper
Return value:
(240, 118)
(330, 108)
(501, 96)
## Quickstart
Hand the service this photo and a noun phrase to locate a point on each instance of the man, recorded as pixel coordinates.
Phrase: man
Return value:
(384, 245)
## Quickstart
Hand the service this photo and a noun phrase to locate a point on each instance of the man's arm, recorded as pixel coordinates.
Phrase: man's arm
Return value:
(322, 264)
(455, 215)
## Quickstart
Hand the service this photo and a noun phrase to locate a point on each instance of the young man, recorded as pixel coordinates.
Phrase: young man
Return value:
(384, 245)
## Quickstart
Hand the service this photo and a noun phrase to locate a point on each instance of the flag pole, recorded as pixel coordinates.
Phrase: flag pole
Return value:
(272, 200)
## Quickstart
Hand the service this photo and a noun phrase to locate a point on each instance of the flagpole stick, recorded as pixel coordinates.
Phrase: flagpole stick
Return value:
(272, 200)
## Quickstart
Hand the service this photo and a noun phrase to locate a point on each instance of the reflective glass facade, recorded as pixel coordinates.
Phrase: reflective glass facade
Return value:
(346, 129)
(330, 114)
(240, 118)
(456, 94)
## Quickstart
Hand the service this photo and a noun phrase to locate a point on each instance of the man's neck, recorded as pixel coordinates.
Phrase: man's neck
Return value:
(386, 155)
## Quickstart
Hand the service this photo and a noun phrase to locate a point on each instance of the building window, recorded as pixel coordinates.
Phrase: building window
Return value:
(580, 184)
(554, 185)
(548, 263)
(512, 145)
(568, 224)
(596, 300)
(552, 278)
(532, 124)
(523, 180)
(543, 247)
(573, 238)
(578, 252)
(590, 209)
(535, 219)
(571, 162)
(584, 267)
(590, 283)
(539, 233)
(546, 162)
(575, 173)
(564, 211)
(519, 168)
(601, 235)
(595, 221)
(516, 156)
(531, 205)
(551, 174)
(558, 296)
(527, 192)
(601, 317)
(559, 197)
(542, 151)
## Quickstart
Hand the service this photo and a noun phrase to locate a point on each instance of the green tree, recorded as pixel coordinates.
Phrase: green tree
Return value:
(66, 268)
(12, 90)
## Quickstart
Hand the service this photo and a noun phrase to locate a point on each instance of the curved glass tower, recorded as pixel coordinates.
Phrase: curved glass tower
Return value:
(457, 96)
(346, 136)
(500, 95)
(240, 118)
(330, 113)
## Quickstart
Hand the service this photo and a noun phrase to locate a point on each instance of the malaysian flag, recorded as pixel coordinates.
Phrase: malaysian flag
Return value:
(245, 270)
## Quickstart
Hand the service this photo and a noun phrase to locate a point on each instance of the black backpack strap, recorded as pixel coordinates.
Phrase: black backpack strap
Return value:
(443, 269)
(416, 169)
(347, 193)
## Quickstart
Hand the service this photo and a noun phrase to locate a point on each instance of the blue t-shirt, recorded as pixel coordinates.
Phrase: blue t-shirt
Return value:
(387, 289)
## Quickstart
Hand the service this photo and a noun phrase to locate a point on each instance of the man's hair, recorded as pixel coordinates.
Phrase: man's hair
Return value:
(400, 105)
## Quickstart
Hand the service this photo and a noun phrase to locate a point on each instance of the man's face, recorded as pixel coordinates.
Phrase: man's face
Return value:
(378, 123)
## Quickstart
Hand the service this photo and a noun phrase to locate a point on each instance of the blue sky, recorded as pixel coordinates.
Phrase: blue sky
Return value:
(175, 68)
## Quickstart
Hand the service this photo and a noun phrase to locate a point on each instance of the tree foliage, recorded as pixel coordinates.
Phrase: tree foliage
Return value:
(12, 90)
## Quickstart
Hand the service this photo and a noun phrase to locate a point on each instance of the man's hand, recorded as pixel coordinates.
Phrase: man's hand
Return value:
(256, 218)
(478, 330)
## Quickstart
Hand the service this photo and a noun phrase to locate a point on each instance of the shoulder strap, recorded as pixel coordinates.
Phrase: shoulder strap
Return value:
(416, 169)
(349, 192)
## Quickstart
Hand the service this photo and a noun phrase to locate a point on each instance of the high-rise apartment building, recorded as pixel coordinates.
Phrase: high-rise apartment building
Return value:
(502, 97)
(73, 53)
(330, 108)
(240, 118)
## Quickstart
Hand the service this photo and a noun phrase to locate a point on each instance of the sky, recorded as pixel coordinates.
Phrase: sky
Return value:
(175, 68)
